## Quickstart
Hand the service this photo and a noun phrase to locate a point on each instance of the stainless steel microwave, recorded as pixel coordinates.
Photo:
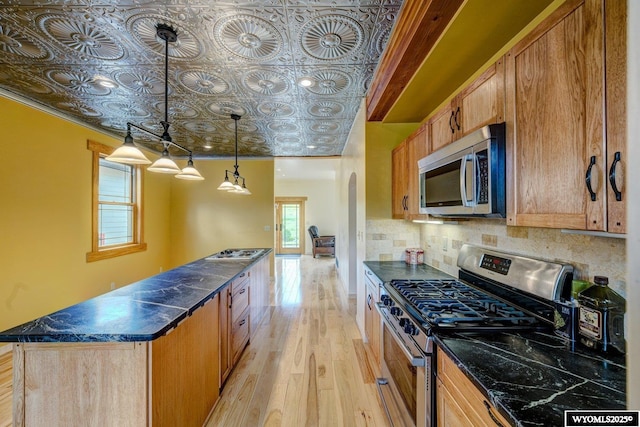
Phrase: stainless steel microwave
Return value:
(467, 177)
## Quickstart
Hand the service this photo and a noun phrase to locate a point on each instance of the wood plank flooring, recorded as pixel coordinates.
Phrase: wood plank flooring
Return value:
(306, 364)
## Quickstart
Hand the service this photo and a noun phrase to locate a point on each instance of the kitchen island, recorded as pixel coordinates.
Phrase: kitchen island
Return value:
(144, 354)
(531, 378)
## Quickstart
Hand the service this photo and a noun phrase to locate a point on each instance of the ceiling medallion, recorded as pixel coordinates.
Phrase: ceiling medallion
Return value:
(140, 83)
(325, 127)
(177, 110)
(275, 109)
(127, 109)
(325, 109)
(17, 43)
(25, 82)
(199, 127)
(225, 109)
(78, 82)
(204, 83)
(248, 37)
(78, 107)
(185, 47)
(283, 127)
(331, 37)
(266, 82)
(81, 37)
(329, 82)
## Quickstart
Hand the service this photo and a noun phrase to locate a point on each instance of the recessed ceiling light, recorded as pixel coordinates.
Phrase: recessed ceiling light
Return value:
(311, 146)
(306, 82)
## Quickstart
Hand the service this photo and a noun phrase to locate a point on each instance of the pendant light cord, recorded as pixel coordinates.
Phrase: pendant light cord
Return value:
(236, 117)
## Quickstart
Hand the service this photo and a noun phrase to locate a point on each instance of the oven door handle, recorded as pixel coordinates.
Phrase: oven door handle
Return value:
(409, 348)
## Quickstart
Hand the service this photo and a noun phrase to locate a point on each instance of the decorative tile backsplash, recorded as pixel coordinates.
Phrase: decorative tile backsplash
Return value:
(590, 255)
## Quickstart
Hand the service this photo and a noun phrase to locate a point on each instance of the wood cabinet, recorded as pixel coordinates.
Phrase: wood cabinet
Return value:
(170, 381)
(479, 104)
(234, 323)
(459, 401)
(184, 369)
(372, 319)
(399, 176)
(405, 192)
(561, 85)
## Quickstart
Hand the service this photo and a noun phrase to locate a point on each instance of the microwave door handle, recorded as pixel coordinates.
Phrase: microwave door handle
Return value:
(464, 190)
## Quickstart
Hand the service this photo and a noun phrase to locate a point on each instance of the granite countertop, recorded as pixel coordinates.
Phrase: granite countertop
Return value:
(531, 378)
(142, 311)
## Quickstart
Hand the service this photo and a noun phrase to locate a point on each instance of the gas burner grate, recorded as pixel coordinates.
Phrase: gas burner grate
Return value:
(451, 303)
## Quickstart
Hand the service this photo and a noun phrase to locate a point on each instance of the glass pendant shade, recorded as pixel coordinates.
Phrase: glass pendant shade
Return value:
(190, 173)
(128, 154)
(226, 184)
(164, 164)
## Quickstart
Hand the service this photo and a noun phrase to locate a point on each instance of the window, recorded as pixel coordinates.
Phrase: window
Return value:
(116, 206)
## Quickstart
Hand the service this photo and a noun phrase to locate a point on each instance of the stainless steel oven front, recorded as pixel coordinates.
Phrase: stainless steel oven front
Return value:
(407, 363)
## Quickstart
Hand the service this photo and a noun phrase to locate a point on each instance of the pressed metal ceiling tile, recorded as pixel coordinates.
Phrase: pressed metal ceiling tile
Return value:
(101, 63)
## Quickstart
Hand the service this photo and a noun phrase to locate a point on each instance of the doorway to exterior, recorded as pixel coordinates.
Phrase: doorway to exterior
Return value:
(290, 225)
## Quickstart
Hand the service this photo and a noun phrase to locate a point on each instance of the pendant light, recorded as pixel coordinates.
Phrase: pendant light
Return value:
(227, 185)
(130, 154)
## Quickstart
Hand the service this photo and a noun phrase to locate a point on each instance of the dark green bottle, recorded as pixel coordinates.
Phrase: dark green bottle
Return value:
(601, 319)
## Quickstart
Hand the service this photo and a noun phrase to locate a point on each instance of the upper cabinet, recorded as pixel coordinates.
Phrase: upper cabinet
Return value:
(479, 104)
(399, 181)
(565, 162)
(404, 164)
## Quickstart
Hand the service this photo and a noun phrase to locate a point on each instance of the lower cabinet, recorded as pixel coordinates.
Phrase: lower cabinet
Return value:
(371, 315)
(170, 381)
(234, 322)
(459, 402)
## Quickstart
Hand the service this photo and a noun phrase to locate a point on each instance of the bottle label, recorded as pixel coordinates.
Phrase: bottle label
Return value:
(590, 323)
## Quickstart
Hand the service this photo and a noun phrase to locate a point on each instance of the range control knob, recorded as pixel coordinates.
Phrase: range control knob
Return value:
(386, 300)
(403, 322)
(397, 312)
(410, 329)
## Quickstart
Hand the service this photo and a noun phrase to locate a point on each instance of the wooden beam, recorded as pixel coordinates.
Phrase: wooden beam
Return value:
(418, 28)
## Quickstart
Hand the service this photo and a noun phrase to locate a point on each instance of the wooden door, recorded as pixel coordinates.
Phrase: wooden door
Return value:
(482, 102)
(224, 315)
(616, 93)
(442, 128)
(290, 231)
(418, 147)
(399, 181)
(554, 121)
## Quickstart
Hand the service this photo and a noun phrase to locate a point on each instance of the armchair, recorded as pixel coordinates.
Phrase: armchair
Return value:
(322, 244)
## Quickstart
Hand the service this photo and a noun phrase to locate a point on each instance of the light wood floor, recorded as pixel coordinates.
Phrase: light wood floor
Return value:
(306, 365)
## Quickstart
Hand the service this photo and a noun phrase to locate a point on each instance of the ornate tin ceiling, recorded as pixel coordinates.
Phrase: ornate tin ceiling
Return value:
(101, 63)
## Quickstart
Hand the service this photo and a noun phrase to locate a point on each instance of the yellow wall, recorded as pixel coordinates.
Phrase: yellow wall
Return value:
(45, 218)
(205, 220)
(381, 139)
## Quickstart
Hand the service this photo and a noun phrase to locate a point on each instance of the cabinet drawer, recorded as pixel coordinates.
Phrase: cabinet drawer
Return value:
(240, 333)
(471, 400)
(239, 300)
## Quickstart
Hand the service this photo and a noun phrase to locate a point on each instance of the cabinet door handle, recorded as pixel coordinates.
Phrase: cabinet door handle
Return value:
(456, 118)
(243, 322)
(453, 130)
(493, 417)
(369, 301)
(588, 178)
(612, 176)
(242, 291)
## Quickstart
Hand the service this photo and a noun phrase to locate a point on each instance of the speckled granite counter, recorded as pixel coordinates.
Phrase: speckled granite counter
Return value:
(142, 311)
(531, 378)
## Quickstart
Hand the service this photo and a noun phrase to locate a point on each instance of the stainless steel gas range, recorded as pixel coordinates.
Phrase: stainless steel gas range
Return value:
(495, 291)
